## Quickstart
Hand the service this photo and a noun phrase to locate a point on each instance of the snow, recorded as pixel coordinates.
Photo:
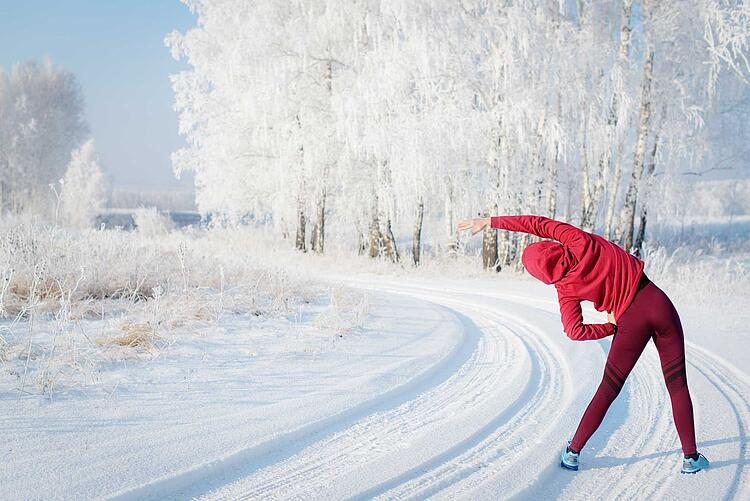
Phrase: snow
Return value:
(452, 388)
(203, 356)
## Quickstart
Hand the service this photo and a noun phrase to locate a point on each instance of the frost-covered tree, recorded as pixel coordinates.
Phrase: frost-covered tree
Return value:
(394, 119)
(270, 73)
(41, 121)
(680, 64)
(83, 188)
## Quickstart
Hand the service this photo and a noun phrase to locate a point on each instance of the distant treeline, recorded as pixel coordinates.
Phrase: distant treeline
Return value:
(164, 200)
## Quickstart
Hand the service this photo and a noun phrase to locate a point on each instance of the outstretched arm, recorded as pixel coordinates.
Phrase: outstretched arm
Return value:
(568, 235)
(572, 320)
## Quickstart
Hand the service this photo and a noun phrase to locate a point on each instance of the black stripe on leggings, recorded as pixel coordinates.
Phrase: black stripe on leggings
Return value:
(615, 387)
(615, 374)
(675, 376)
(674, 363)
(676, 369)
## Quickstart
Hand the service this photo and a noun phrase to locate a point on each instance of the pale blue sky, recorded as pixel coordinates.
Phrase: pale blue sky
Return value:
(116, 49)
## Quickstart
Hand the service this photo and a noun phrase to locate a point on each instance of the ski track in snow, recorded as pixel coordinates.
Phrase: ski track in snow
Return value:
(487, 422)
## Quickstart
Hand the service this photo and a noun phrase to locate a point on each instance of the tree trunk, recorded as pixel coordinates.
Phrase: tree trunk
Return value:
(539, 160)
(627, 215)
(376, 238)
(510, 247)
(300, 240)
(638, 246)
(586, 217)
(552, 184)
(625, 29)
(384, 208)
(593, 198)
(614, 131)
(490, 256)
(640, 235)
(503, 247)
(450, 226)
(504, 240)
(389, 241)
(612, 202)
(489, 250)
(523, 241)
(317, 238)
(313, 242)
(551, 202)
(496, 175)
(361, 238)
(416, 245)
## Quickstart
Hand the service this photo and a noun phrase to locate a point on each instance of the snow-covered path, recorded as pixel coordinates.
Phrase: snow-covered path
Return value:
(486, 395)
(486, 422)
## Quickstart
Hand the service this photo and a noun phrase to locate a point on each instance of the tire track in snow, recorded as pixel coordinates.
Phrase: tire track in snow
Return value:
(215, 474)
(736, 394)
(316, 467)
(651, 406)
(377, 435)
(302, 477)
(475, 459)
(738, 398)
(327, 464)
(661, 469)
(646, 408)
(660, 465)
(649, 403)
(499, 438)
(651, 411)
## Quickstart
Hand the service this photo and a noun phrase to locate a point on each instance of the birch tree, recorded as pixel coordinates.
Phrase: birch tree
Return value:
(381, 121)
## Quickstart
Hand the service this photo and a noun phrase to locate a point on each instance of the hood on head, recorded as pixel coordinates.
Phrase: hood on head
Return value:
(546, 261)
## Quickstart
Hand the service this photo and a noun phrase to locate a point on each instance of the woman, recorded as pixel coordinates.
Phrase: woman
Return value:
(587, 267)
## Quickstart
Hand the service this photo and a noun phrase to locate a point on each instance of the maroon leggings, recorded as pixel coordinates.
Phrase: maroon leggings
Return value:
(651, 315)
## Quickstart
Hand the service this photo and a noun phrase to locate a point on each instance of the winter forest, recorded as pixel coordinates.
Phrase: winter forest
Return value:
(306, 320)
(585, 111)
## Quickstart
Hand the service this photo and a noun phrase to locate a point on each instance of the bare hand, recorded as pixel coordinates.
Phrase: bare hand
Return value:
(611, 318)
(475, 225)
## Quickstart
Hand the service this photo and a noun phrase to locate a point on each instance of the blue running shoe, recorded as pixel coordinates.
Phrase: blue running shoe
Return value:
(695, 465)
(569, 459)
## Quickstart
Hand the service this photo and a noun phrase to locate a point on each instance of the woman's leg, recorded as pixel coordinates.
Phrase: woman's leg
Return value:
(633, 333)
(670, 344)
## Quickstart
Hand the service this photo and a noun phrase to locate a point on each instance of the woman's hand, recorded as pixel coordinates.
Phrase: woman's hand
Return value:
(475, 225)
(611, 318)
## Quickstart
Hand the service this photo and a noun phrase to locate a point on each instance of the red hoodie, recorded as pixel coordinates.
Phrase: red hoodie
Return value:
(583, 267)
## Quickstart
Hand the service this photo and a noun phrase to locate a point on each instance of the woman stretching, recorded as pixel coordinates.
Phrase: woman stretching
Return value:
(587, 267)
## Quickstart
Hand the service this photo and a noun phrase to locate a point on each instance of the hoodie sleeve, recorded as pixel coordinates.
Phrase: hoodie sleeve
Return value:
(572, 320)
(571, 237)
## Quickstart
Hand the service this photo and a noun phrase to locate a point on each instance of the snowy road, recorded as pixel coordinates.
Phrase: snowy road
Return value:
(487, 420)
(460, 390)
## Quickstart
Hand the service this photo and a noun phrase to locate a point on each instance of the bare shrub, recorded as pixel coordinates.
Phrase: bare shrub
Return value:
(346, 312)
(152, 223)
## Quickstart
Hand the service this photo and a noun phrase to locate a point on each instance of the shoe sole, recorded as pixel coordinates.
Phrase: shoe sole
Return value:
(572, 468)
(690, 472)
